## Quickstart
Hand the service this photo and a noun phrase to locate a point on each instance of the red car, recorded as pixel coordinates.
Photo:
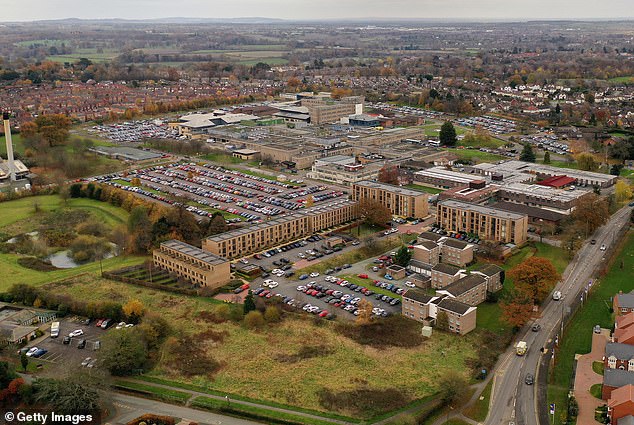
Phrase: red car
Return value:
(363, 276)
(264, 293)
(269, 295)
(99, 322)
(329, 292)
(245, 286)
(323, 313)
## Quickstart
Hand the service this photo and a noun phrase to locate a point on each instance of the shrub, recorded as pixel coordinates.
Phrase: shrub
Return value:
(272, 314)
(149, 418)
(254, 320)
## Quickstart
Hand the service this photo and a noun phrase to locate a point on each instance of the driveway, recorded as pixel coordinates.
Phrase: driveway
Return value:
(585, 377)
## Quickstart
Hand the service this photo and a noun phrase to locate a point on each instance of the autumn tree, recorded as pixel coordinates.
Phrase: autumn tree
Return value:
(586, 162)
(536, 276)
(388, 174)
(517, 307)
(448, 134)
(133, 310)
(217, 224)
(52, 128)
(310, 201)
(373, 212)
(622, 191)
(272, 314)
(365, 312)
(590, 213)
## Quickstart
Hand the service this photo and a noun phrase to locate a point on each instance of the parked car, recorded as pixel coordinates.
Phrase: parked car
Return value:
(82, 344)
(39, 353)
(77, 332)
(66, 340)
(597, 329)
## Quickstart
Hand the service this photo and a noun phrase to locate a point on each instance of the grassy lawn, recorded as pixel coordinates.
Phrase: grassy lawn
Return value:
(492, 143)
(596, 311)
(430, 190)
(479, 410)
(18, 146)
(595, 390)
(475, 155)
(164, 394)
(563, 164)
(368, 283)
(222, 158)
(364, 230)
(598, 367)
(622, 80)
(15, 273)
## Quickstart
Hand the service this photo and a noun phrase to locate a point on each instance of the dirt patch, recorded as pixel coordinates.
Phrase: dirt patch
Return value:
(395, 331)
(305, 352)
(361, 400)
(35, 263)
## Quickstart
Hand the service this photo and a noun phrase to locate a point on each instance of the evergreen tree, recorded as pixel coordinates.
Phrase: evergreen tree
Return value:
(448, 134)
(249, 303)
(547, 158)
(527, 153)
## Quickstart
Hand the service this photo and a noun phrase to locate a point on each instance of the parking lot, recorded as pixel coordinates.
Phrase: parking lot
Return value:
(252, 198)
(68, 355)
(135, 131)
(331, 294)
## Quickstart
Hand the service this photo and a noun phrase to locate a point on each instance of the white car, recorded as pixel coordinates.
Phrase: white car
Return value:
(267, 282)
(301, 288)
(276, 271)
(129, 325)
(244, 261)
(301, 255)
(314, 274)
(121, 325)
(75, 333)
(602, 247)
(410, 284)
(31, 351)
(86, 361)
(306, 307)
(273, 284)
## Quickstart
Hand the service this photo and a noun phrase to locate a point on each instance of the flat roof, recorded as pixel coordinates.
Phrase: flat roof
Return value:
(515, 166)
(255, 227)
(390, 188)
(494, 212)
(544, 191)
(192, 251)
(442, 173)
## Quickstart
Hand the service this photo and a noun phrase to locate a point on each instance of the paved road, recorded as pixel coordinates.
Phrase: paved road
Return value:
(129, 407)
(512, 399)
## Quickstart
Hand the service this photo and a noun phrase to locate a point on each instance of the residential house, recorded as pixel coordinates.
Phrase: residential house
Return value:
(624, 336)
(619, 356)
(613, 379)
(462, 317)
(623, 303)
(621, 403)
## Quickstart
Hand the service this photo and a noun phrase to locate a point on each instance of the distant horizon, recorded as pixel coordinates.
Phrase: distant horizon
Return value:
(325, 10)
(368, 20)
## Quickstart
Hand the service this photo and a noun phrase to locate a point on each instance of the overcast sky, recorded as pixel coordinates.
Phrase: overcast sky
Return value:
(28, 10)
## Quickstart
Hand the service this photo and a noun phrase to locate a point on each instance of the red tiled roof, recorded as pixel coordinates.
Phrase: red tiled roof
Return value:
(557, 181)
(621, 395)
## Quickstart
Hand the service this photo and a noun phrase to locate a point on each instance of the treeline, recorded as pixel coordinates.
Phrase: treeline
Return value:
(150, 223)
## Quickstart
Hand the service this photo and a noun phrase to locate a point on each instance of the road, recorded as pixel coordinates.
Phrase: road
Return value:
(513, 400)
(129, 407)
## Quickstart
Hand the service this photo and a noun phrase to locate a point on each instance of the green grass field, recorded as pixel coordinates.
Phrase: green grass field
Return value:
(622, 80)
(430, 190)
(19, 216)
(18, 146)
(475, 155)
(596, 311)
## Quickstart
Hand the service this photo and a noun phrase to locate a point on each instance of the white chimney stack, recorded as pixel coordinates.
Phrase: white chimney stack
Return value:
(7, 136)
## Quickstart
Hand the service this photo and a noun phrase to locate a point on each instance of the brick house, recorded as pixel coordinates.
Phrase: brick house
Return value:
(619, 356)
(624, 322)
(416, 306)
(493, 274)
(427, 252)
(613, 379)
(624, 336)
(621, 403)
(456, 252)
(471, 290)
(623, 303)
(444, 274)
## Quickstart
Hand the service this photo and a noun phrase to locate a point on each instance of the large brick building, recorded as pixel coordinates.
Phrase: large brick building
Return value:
(456, 252)
(425, 309)
(247, 240)
(488, 223)
(400, 201)
(471, 290)
(197, 266)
